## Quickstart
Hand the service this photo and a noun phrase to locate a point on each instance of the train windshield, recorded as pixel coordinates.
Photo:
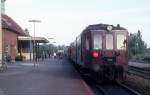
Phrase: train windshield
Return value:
(97, 41)
(121, 41)
(109, 41)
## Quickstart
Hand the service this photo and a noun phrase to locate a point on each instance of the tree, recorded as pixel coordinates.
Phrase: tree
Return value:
(141, 45)
(136, 44)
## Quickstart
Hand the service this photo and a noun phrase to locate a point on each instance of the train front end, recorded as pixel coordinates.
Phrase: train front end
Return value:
(109, 53)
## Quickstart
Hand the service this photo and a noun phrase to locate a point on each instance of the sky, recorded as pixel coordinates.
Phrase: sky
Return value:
(63, 20)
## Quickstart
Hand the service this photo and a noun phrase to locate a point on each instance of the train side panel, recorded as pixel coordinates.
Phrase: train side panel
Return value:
(78, 51)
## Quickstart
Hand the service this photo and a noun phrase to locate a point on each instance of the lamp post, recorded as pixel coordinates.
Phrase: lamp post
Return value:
(2, 11)
(50, 38)
(1, 35)
(53, 42)
(34, 21)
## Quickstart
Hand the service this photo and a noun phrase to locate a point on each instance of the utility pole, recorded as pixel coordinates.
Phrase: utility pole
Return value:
(1, 48)
(2, 11)
(34, 21)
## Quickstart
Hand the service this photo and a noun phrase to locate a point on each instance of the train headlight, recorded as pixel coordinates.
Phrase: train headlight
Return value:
(95, 54)
(109, 28)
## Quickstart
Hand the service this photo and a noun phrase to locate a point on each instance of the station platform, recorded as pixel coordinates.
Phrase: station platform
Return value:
(48, 77)
(138, 64)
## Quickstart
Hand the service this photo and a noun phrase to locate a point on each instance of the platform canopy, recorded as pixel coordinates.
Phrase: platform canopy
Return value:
(37, 39)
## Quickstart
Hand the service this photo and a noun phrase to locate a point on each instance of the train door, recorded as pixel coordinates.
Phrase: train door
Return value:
(86, 48)
(97, 47)
(109, 45)
(121, 47)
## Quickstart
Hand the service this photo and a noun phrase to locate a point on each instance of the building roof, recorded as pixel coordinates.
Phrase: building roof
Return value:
(9, 24)
(37, 39)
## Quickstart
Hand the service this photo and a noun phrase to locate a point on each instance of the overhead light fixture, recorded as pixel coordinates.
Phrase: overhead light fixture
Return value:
(109, 27)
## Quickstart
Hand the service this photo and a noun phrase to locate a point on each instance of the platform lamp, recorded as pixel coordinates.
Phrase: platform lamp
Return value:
(34, 21)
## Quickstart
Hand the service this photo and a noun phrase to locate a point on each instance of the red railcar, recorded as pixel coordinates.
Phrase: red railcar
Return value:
(101, 50)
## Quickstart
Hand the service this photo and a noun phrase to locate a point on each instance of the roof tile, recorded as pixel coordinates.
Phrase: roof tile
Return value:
(10, 24)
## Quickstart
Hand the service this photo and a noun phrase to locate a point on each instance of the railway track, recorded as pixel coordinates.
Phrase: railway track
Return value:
(116, 89)
(109, 88)
(142, 72)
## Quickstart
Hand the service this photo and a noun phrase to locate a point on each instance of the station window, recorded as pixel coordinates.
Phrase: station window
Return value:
(7, 48)
(109, 41)
(120, 41)
(97, 41)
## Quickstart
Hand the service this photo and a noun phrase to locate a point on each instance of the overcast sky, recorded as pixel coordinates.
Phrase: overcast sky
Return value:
(65, 19)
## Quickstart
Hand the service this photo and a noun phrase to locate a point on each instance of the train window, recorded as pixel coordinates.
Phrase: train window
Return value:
(109, 41)
(120, 41)
(87, 42)
(97, 40)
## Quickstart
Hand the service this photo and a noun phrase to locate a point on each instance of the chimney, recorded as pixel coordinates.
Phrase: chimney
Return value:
(3, 6)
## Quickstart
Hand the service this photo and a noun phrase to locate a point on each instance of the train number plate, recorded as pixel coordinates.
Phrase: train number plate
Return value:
(109, 59)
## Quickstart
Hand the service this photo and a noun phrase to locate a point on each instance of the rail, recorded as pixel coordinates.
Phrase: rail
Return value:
(109, 88)
(142, 72)
(116, 89)
(129, 89)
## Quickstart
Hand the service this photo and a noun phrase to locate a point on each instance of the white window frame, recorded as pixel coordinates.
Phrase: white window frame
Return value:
(108, 42)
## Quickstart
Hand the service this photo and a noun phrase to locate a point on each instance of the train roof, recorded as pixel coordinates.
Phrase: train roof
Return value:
(103, 27)
(99, 27)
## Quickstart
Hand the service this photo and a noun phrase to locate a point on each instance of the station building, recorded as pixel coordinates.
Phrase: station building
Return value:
(10, 32)
(16, 41)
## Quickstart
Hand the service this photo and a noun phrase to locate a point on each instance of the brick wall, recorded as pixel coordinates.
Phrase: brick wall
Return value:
(10, 43)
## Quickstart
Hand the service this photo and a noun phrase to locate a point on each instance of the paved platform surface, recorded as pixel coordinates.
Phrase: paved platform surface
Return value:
(50, 77)
(138, 64)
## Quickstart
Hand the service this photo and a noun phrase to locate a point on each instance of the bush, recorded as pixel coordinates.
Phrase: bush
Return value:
(146, 58)
(20, 58)
(141, 58)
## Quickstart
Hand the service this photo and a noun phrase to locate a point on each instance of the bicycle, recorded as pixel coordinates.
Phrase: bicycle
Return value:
(3, 66)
